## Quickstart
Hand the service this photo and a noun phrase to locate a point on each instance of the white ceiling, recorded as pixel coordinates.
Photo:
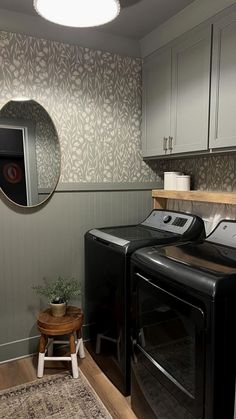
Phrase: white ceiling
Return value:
(141, 18)
(137, 17)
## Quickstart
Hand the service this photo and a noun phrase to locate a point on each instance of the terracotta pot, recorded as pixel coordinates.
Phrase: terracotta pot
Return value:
(58, 310)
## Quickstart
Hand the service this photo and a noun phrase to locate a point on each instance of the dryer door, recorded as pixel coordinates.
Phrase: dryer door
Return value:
(168, 367)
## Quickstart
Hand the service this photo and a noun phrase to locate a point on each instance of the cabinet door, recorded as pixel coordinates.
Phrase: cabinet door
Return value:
(223, 96)
(156, 103)
(191, 61)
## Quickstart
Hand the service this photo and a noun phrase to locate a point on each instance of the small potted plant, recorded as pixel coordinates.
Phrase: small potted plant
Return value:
(58, 293)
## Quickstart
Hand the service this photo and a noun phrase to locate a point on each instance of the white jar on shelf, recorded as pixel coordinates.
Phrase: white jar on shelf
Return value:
(170, 180)
(183, 183)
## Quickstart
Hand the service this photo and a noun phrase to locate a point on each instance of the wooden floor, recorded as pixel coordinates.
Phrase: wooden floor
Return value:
(24, 370)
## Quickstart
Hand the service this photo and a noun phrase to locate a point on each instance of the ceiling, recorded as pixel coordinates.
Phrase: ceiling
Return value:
(137, 17)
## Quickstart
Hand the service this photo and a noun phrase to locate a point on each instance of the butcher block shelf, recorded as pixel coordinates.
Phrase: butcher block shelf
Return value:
(160, 197)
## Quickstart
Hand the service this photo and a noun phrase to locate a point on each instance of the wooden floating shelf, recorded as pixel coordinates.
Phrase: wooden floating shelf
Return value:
(160, 197)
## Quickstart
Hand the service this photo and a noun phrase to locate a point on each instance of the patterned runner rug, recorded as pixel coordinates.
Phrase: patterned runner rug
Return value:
(57, 397)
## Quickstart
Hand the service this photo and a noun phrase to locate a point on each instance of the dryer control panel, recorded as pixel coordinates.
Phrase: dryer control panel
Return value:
(224, 233)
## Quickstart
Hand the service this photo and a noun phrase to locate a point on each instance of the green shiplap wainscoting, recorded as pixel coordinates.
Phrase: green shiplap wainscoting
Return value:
(49, 242)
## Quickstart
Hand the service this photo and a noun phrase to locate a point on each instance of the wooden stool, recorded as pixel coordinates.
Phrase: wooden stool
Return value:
(50, 326)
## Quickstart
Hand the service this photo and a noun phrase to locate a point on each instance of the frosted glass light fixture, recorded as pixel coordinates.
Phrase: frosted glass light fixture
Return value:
(78, 13)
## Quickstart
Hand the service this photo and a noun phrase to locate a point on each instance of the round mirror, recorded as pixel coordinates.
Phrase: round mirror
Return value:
(29, 153)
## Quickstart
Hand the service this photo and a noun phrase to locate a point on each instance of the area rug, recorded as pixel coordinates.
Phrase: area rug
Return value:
(57, 396)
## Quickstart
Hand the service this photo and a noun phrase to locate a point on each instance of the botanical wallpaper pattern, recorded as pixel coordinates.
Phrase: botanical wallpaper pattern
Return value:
(46, 139)
(213, 172)
(93, 98)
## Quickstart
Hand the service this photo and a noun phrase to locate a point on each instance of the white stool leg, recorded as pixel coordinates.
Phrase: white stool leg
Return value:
(40, 365)
(80, 344)
(81, 348)
(42, 347)
(50, 347)
(74, 364)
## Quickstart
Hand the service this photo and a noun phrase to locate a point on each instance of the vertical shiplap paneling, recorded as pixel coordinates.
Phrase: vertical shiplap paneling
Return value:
(47, 243)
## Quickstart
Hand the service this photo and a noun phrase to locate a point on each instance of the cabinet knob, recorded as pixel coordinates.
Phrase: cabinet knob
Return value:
(165, 144)
(170, 144)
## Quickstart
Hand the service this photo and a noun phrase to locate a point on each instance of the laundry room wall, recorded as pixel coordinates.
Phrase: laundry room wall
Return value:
(94, 100)
(209, 172)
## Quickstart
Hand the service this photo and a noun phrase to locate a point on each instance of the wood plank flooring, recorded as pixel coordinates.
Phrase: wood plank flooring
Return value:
(24, 370)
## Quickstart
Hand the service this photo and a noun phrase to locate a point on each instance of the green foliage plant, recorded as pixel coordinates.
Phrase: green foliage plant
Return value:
(61, 290)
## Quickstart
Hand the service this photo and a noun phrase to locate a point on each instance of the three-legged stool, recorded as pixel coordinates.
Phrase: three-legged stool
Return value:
(49, 326)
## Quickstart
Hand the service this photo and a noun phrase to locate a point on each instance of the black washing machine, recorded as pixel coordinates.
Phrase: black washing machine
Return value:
(184, 307)
(107, 284)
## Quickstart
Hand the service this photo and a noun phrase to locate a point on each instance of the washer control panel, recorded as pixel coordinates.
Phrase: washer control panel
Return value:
(171, 221)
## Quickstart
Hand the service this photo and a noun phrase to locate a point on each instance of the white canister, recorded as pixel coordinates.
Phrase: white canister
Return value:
(170, 180)
(183, 183)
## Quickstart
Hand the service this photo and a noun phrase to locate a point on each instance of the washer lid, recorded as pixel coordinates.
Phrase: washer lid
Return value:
(160, 227)
(137, 232)
(124, 235)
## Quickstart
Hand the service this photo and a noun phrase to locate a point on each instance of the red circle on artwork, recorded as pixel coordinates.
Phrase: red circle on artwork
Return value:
(12, 172)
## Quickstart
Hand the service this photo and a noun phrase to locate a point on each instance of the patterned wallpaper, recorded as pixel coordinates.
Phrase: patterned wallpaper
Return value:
(212, 172)
(94, 99)
(46, 139)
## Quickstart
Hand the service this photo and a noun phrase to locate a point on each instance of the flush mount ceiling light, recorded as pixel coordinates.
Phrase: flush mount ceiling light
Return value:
(78, 13)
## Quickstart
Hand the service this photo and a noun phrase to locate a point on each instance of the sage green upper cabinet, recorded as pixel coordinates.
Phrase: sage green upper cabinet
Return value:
(176, 89)
(191, 65)
(223, 96)
(156, 103)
